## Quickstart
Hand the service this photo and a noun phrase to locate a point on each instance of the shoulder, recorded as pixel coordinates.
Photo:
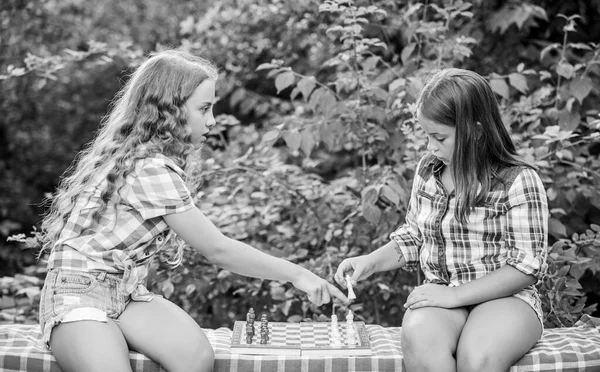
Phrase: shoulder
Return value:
(158, 163)
(426, 165)
(523, 183)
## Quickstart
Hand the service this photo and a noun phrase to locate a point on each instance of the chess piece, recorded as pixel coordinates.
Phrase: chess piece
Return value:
(350, 317)
(264, 329)
(351, 294)
(249, 325)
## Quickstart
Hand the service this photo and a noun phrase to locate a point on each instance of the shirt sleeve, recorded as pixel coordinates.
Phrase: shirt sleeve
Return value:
(159, 189)
(408, 237)
(527, 225)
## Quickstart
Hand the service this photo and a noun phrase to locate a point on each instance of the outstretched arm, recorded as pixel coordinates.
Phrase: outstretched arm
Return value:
(200, 233)
(385, 258)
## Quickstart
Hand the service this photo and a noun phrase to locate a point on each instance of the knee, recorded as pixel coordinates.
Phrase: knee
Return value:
(197, 356)
(416, 328)
(417, 336)
(474, 360)
(205, 360)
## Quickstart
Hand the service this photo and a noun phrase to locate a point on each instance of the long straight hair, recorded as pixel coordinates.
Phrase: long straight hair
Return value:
(146, 116)
(464, 100)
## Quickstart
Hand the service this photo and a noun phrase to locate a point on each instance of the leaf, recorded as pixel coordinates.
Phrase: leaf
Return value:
(371, 213)
(500, 87)
(581, 87)
(369, 195)
(292, 140)
(306, 86)
(322, 100)
(568, 120)
(390, 194)
(370, 63)
(308, 142)
(556, 228)
(407, 52)
(271, 135)
(548, 49)
(30, 292)
(295, 92)
(167, 288)
(565, 70)
(518, 81)
(266, 66)
(396, 84)
(284, 80)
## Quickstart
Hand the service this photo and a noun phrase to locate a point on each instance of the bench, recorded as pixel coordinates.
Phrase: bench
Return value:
(570, 349)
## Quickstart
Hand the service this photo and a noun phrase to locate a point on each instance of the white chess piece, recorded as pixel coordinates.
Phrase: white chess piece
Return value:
(350, 317)
(351, 294)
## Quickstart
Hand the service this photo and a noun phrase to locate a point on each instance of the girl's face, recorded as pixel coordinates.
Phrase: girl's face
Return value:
(441, 138)
(199, 111)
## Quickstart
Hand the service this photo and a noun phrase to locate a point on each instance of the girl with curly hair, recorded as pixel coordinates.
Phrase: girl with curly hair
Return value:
(125, 200)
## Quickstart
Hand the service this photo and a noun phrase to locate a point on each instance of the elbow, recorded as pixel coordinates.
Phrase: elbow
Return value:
(216, 250)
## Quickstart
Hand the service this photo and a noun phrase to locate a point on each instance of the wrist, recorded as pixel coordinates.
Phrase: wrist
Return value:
(458, 296)
(372, 263)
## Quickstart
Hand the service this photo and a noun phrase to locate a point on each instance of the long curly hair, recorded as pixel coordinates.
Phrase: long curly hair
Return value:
(463, 99)
(146, 116)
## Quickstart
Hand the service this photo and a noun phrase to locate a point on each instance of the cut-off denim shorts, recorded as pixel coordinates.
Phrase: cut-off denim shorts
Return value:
(72, 295)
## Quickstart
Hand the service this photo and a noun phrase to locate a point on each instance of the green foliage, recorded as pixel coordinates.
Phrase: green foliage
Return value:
(321, 164)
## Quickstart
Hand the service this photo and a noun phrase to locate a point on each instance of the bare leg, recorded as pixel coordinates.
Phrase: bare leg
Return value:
(429, 338)
(165, 333)
(497, 334)
(90, 346)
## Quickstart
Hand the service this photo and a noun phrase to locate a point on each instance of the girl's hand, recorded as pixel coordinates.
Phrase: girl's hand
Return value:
(358, 268)
(319, 290)
(434, 295)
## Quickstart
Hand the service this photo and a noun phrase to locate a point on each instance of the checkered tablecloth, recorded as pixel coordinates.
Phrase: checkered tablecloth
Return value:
(561, 349)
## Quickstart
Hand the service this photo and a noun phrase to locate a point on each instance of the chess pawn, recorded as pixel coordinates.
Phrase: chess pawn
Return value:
(351, 294)
(249, 330)
(350, 317)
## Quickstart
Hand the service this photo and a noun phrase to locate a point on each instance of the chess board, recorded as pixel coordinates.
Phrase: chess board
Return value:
(312, 338)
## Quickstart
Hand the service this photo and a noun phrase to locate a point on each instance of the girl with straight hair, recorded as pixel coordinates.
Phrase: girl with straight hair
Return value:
(477, 225)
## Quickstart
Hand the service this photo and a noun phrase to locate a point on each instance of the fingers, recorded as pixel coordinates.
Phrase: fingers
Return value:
(315, 296)
(417, 302)
(347, 267)
(335, 292)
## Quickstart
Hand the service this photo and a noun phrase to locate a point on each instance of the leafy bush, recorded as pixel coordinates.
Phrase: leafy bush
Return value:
(321, 165)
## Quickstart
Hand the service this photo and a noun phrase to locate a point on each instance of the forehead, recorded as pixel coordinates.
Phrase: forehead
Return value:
(205, 92)
(431, 126)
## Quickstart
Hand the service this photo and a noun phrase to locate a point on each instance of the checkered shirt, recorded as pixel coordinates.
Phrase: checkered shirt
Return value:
(508, 228)
(129, 233)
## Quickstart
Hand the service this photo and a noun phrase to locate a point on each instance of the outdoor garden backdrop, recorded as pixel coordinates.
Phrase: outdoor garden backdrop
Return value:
(315, 148)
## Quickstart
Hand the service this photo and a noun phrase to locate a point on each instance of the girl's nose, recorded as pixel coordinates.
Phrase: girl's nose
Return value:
(430, 146)
(211, 122)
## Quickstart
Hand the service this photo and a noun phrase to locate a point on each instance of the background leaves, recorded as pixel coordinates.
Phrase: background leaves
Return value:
(314, 153)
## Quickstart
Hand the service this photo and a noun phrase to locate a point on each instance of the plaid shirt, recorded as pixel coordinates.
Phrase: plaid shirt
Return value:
(129, 233)
(509, 228)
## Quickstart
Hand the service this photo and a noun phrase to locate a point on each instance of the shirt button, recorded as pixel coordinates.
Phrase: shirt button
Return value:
(440, 252)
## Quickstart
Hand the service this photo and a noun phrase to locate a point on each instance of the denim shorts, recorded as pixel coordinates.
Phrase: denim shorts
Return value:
(532, 298)
(72, 295)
